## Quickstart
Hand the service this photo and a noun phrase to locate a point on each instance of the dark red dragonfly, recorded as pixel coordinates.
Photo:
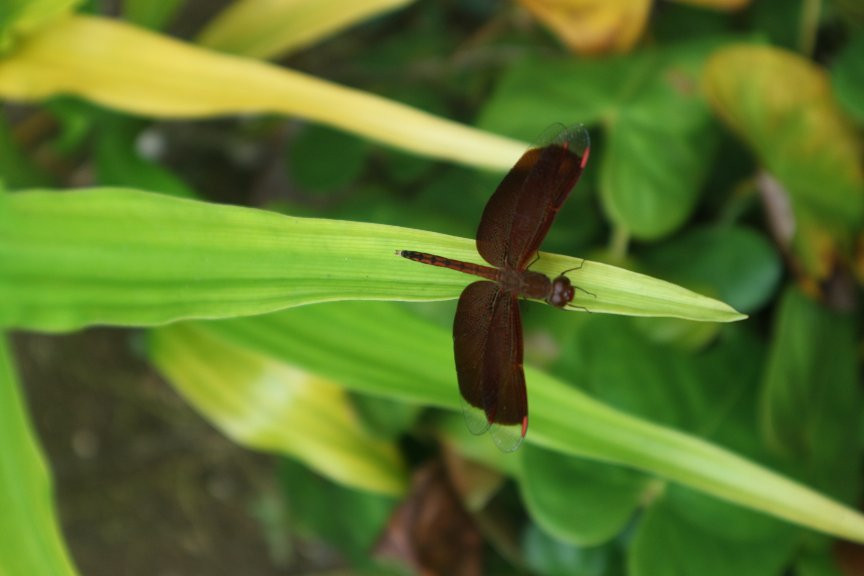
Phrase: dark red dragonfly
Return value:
(487, 330)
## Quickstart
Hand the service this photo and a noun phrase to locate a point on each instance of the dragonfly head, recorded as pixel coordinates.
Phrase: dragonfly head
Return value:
(561, 293)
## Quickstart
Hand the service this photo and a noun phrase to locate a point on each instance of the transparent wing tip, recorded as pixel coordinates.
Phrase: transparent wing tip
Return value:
(475, 418)
(508, 437)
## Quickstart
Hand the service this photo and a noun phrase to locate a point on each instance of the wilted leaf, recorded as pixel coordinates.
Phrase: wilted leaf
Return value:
(430, 531)
(593, 26)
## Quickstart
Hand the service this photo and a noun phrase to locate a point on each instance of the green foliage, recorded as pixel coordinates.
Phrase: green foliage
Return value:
(725, 178)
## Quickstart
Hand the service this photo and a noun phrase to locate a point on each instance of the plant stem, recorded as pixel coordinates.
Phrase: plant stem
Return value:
(809, 25)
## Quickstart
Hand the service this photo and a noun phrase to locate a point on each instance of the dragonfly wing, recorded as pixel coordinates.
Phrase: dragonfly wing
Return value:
(487, 343)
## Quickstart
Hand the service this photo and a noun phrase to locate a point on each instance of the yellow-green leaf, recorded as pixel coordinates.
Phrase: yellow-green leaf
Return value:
(268, 405)
(782, 106)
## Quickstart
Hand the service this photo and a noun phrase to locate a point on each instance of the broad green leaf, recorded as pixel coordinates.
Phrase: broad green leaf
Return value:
(381, 349)
(781, 105)
(31, 542)
(659, 135)
(269, 406)
(847, 78)
(694, 392)
(656, 382)
(668, 542)
(577, 500)
(269, 29)
(811, 403)
(123, 257)
(140, 72)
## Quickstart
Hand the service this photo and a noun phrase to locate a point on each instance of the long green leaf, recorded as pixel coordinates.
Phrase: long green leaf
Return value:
(381, 349)
(123, 257)
(31, 541)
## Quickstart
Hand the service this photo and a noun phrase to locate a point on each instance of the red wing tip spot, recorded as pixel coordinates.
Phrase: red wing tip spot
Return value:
(524, 426)
(585, 157)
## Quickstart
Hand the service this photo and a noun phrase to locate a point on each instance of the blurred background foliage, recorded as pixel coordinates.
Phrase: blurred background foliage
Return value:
(726, 158)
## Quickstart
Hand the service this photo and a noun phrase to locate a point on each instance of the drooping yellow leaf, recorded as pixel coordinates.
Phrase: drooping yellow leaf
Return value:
(593, 26)
(136, 71)
(272, 28)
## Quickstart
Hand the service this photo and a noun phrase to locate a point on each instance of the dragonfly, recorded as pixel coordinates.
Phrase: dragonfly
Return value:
(487, 329)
